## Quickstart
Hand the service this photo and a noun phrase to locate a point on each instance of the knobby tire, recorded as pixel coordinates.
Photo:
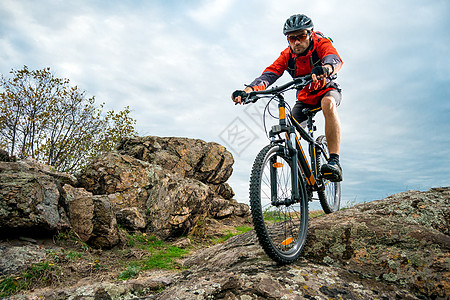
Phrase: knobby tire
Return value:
(282, 229)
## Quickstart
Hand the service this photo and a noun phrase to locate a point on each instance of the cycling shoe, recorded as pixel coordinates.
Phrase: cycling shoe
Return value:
(332, 171)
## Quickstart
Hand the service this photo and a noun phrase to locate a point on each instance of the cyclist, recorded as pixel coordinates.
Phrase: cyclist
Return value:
(309, 53)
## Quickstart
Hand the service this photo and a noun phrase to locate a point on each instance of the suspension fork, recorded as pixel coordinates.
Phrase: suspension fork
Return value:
(294, 168)
(295, 196)
(273, 180)
(291, 152)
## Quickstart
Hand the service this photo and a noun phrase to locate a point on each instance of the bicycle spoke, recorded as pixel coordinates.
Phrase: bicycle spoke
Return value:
(330, 195)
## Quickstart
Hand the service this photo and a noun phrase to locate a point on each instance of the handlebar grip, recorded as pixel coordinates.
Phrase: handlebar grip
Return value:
(250, 98)
(239, 93)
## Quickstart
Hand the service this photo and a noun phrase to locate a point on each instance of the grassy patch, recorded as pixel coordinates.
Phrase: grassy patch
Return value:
(130, 272)
(229, 234)
(161, 255)
(73, 255)
(276, 216)
(10, 285)
(44, 273)
(315, 213)
(243, 229)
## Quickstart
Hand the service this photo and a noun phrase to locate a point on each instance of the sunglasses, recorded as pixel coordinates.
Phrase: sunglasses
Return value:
(300, 37)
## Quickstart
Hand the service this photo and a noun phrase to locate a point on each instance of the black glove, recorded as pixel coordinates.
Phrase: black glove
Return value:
(320, 70)
(238, 93)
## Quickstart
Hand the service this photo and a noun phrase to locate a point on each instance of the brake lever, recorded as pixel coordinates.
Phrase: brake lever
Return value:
(301, 82)
(248, 98)
(251, 99)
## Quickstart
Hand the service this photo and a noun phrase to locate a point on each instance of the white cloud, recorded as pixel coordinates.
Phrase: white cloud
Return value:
(210, 12)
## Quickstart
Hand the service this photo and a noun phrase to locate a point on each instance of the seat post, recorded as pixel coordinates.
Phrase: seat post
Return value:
(310, 121)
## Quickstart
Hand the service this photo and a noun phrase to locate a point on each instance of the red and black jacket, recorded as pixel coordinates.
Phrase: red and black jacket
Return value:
(320, 52)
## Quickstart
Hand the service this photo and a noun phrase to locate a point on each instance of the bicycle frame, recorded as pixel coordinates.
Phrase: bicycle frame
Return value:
(299, 161)
(311, 171)
(289, 126)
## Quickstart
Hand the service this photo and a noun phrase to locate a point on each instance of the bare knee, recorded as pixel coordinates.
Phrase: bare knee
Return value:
(328, 105)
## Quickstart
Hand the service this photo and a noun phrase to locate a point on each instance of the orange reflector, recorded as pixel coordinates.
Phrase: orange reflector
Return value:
(277, 165)
(287, 241)
(282, 113)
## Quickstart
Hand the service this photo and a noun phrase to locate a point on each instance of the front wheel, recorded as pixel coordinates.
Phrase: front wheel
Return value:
(281, 226)
(330, 194)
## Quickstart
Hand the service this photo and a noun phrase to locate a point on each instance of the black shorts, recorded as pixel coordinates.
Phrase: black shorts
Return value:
(297, 111)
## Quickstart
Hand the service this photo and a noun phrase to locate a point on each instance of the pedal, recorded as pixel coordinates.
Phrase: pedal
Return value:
(332, 177)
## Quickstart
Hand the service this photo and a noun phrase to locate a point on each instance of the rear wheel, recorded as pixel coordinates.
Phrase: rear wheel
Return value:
(281, 227)
(330, 194)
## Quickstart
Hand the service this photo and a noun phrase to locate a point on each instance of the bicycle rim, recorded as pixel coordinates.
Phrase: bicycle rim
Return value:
(281, 229)
(330, 196)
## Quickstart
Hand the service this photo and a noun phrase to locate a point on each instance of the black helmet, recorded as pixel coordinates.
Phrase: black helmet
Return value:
(297, 22)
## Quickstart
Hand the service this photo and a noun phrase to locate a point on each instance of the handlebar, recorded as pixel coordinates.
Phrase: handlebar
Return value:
(299, 83)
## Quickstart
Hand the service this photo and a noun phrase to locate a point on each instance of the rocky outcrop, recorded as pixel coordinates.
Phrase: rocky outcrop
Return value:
(395, 248)
(175, 181)
(176, 205)
(31, 199)
(132, 219)
(239, 269)
(206, 162)
(403, 240)
(166, 190)
(128, 178)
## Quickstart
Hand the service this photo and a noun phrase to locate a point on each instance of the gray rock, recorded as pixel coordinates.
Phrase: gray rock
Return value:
(403, 240)
(176, 204)
(131, 218)
(30, 200)
(92, 217)
(176, 181)
(396, 248)
(16, 258)
(194, 158)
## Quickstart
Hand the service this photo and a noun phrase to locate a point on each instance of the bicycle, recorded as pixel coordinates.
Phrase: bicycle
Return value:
(282, 181)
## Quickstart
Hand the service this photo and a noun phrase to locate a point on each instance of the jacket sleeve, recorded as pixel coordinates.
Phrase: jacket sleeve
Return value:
(329, 54)
(272, 72)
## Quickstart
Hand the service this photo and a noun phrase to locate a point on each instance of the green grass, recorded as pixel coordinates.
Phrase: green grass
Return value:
(40, 274)
(243, 229)
(130, 272)
(73, 255)
(44, 272)
(162, 255)
(10, 285)
(276, 216)
(229, 234)
(315, 213)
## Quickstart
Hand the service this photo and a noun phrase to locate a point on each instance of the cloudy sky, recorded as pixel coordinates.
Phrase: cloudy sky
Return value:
(175, 63)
